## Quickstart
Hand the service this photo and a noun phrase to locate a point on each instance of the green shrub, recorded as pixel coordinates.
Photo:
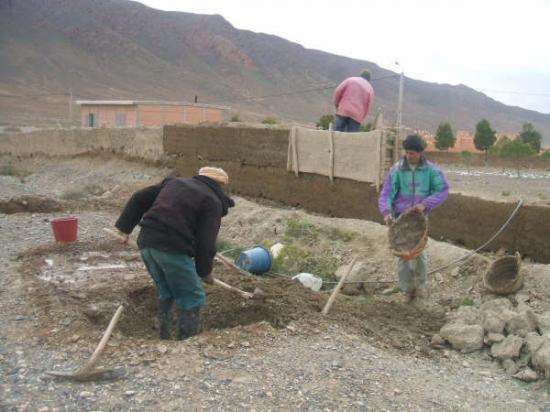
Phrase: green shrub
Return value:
(545, 155)
(467, 301)
(11, 170)
(324, 121)
(340, 234)
(270, 120)
(235, 118)
(294, 259)
(297, 229)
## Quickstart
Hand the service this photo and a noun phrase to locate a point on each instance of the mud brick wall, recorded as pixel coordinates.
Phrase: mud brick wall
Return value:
(255, 159)
(145, 143)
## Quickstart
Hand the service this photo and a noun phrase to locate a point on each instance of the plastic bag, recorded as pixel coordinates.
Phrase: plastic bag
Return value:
(310, 281)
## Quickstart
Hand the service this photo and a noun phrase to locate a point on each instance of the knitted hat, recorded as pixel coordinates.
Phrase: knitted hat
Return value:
(413, 142)
(215, 173)
(365, 74)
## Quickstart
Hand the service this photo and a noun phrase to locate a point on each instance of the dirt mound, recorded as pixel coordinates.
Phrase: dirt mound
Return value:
(81, 284)
(30, 204)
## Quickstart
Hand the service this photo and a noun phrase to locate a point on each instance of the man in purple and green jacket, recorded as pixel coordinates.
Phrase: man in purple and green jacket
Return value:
(413, 182)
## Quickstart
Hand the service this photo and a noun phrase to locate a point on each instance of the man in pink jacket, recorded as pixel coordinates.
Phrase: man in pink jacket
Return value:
(352, 99)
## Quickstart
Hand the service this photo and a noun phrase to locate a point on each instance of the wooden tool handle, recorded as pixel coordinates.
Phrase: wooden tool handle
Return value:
(244, 294)
(90, 364)
(117, 235)
(338, 287)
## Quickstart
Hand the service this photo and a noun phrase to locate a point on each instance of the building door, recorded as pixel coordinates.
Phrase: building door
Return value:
(91, 120)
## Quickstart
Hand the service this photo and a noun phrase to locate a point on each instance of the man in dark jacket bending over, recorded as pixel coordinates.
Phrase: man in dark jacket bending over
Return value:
(179, 219)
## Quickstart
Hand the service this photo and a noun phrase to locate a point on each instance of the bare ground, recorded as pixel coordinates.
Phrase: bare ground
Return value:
(370, 353)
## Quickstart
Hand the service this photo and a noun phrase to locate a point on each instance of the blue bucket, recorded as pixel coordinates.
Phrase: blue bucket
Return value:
(255, 260)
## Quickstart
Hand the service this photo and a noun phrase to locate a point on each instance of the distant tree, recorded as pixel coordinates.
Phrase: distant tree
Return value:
(497, 147)
(424, 142)
(444, 137)
(367, 127)
(516, 149)
(325, 121)
(485, 137)
(467, 158)
(235, 118)
(530, 136)
(270, 120)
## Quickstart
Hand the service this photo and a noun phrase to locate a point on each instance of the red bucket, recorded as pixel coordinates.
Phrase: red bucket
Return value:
(65, 229)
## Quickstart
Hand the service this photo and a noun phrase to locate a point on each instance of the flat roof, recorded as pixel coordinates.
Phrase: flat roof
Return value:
(153, 102)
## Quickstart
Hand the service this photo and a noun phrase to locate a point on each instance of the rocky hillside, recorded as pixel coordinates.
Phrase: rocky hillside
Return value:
(122, 49)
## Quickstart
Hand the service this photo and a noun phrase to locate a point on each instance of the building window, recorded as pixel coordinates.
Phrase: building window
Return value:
(120, 120)
(91, 120)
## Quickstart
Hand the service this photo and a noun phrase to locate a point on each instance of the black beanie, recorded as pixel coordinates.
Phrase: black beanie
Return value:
(413, 142)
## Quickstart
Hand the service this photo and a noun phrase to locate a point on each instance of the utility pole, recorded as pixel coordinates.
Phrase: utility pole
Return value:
(400, 101)
(70, 107)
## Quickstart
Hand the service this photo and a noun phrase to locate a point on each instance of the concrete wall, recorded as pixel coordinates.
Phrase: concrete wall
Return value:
(255, 159)
(145, 143)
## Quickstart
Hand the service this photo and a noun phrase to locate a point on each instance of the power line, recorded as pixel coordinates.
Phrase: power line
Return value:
(513, 92)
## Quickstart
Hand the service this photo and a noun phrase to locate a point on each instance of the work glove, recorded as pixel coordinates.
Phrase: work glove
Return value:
(388, 220)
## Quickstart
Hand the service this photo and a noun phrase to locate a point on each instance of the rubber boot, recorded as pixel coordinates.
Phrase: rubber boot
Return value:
(188, 322)
(165, 318)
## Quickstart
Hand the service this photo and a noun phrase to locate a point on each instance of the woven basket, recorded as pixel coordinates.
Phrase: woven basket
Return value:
(504, 276)
(408, 235)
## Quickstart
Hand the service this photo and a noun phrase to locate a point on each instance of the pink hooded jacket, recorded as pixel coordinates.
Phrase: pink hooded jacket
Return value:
(353, 97)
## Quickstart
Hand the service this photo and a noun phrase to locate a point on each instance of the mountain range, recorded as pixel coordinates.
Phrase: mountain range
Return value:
(111, 49)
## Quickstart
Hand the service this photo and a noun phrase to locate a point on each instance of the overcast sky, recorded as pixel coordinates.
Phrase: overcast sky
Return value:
(497, 47)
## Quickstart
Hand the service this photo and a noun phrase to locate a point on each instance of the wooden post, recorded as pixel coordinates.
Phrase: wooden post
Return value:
(332, 297)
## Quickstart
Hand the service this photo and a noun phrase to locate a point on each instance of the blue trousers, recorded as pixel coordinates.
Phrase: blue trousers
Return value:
(412, 273)
(346, 124)
(175, 277)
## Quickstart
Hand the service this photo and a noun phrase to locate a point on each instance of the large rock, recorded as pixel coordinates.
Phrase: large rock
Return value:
(510, 366)
(492, 324)
(466, 315)
(527, 375)
(540, 358)
(533, 341)
(493, 338)
(496, 305)
(507, 349)
(495, 322)
(543, 322)
(361, 272)
(521, 323)
(466, 338)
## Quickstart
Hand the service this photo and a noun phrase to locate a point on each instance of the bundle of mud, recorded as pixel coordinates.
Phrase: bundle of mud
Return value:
(408, 235)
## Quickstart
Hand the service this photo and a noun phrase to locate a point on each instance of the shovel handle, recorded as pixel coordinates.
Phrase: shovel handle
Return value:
(118, 236)
(224, 285)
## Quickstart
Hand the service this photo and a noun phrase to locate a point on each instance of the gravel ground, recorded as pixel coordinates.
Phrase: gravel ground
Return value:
(308, 365)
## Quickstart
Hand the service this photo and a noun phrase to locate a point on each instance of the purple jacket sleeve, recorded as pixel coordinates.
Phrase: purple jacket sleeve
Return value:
(439, 192)
(385, 198)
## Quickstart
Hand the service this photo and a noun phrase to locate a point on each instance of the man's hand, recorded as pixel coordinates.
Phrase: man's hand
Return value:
(208, 279)
(123, 237)
(420, 207)
(388, 220)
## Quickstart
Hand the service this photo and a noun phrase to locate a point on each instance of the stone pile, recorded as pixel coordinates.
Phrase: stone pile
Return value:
(514, 335)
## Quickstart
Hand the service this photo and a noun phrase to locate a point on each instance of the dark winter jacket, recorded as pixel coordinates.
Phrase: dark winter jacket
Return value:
(180, 216)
